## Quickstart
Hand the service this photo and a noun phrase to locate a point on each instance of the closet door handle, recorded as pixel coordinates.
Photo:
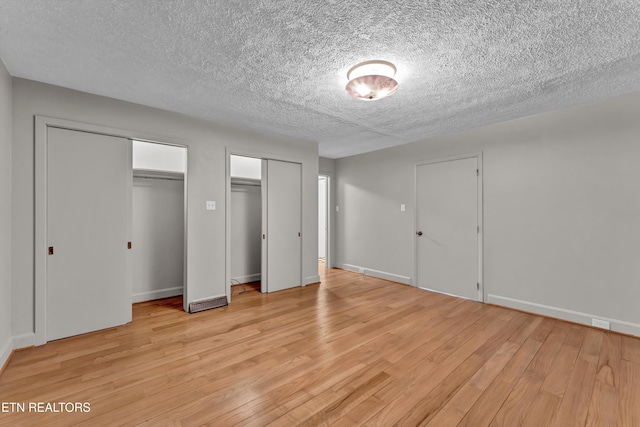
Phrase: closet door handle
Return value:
(419, 233)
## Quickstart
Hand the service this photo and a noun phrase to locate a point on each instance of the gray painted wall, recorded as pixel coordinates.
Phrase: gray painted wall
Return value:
(206, 143)
(326, 165)
(6, 342)
(561, 210)
(158, 238)
(246, 231)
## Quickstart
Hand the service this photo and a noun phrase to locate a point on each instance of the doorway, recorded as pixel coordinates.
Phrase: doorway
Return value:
(158, 210)
(264, 227)
(448, 227)
(89, 284)
(245, 220)
(323, 222)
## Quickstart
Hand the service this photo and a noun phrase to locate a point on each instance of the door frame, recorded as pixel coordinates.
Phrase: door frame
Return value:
(328, 263)
(480, 209)
(234, 151)
(42, 123)
(172, 175)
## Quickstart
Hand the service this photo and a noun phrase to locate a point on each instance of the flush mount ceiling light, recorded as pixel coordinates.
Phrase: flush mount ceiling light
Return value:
(372, 80)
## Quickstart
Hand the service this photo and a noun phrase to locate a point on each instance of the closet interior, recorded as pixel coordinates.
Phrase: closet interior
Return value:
(158, 206)
(246, 223)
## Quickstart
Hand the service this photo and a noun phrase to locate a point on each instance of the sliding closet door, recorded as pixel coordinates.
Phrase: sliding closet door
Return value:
(283, 200)
(88, 223)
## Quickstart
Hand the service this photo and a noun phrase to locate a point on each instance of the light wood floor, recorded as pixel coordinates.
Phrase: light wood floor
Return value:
(353, 350)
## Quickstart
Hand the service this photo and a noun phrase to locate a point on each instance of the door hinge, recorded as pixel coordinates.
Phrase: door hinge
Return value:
(264, 236)
(477, 172)
(50, 250)
(299, 234)
(128, 245)
(478, 229)
(478, 286)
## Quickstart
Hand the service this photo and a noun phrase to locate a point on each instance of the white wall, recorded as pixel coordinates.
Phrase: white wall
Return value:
(245, 167)
(6, 342)
(322, 217)
(158, 238)
(206, 143)
(246, 231)
(561, 210)
(152, 156)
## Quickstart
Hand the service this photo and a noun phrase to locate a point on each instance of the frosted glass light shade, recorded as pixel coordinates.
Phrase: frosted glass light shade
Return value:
(372, 80)
(372, 88)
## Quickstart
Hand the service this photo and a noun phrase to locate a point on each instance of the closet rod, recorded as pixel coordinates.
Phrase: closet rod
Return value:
(245, 184)
(167, 178)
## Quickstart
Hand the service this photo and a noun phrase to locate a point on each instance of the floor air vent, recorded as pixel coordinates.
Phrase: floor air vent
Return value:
(208, 304)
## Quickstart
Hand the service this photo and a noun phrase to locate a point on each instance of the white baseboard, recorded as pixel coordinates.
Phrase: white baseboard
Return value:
(311, 279)
(24, 340)
(14, 343)
(246, 279)
(350, 267)
(617, 325)
(376, 273)
(159, 294)
(5, 352)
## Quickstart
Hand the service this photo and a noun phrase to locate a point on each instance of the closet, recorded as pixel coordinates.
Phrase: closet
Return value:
(265, 223)
(158, 220)
(105, 239)
(246, 219)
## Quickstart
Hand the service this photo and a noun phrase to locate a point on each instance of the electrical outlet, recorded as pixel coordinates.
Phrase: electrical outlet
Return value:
(360, 270)
(601, 324)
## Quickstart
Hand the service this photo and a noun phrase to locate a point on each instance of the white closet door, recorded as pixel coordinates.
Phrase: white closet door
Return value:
(283, 225)
(88, 223)
(447, 220)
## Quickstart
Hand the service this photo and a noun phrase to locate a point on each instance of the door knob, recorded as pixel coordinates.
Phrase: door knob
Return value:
(419, 233)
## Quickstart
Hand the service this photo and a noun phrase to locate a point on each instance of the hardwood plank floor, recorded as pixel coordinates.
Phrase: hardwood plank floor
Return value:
(353, 350)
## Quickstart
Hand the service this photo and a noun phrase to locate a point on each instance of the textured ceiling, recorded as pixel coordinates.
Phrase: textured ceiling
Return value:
(279, 66)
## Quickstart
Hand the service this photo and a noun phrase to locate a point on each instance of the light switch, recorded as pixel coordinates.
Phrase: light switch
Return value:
(403, 208)
(211, 205)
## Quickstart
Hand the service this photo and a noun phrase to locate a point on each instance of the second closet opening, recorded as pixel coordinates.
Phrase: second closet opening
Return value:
(246, 223)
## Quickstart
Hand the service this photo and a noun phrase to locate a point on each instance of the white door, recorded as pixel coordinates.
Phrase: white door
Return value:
(447, 227)
(88, 223)
(282, 225)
